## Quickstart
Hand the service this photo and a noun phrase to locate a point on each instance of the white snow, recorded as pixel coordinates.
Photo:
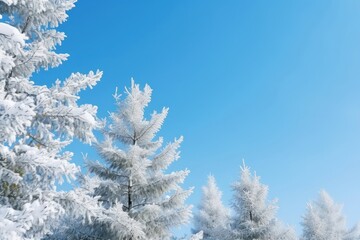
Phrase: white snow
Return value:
(13, 33)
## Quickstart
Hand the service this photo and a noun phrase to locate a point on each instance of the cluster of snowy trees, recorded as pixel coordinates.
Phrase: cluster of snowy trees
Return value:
(254, 216)
(128, 194)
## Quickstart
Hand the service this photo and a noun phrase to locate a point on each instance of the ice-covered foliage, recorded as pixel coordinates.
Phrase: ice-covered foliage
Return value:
(37, 122)
(324, 220)
(212, 218)
(197, 236)
(139, 199)
(79, 223)
(255, 216)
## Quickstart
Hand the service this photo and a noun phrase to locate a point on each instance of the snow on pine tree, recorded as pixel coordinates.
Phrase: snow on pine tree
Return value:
(213, 218)
(134, 178)
(324, 221)
(254, 216)
(37, 122)
(195, 236)
(104, 223)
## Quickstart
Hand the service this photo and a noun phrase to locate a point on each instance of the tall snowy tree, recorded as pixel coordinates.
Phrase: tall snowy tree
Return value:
(254, 215)
(213, 218)
(133, 179)
(37, 122)
(324, 220)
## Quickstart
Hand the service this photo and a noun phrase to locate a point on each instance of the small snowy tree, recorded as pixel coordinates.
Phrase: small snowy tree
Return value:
(37, 122)
(324, 220)
(254, 215)
(133, 180)
(212, 218)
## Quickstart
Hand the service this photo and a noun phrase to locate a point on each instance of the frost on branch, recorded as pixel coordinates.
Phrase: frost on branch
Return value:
(197, 236)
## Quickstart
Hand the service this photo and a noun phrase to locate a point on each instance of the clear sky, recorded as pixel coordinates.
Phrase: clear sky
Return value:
(274, 82)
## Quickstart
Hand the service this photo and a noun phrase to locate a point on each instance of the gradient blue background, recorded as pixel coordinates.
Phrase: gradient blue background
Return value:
(274, 82)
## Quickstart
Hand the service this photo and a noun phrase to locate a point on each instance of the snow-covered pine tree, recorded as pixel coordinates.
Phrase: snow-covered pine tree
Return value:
(254, 216)
(134, 178)
(213, 218)
(324, 220)
(37, 122)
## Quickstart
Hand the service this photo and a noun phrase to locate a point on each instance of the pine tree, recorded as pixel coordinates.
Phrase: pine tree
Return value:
(324, 220)
(133, 180)
(254, 216)
(38, 122)
(212, 218)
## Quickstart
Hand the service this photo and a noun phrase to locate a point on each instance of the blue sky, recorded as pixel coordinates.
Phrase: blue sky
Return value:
(274, 82)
